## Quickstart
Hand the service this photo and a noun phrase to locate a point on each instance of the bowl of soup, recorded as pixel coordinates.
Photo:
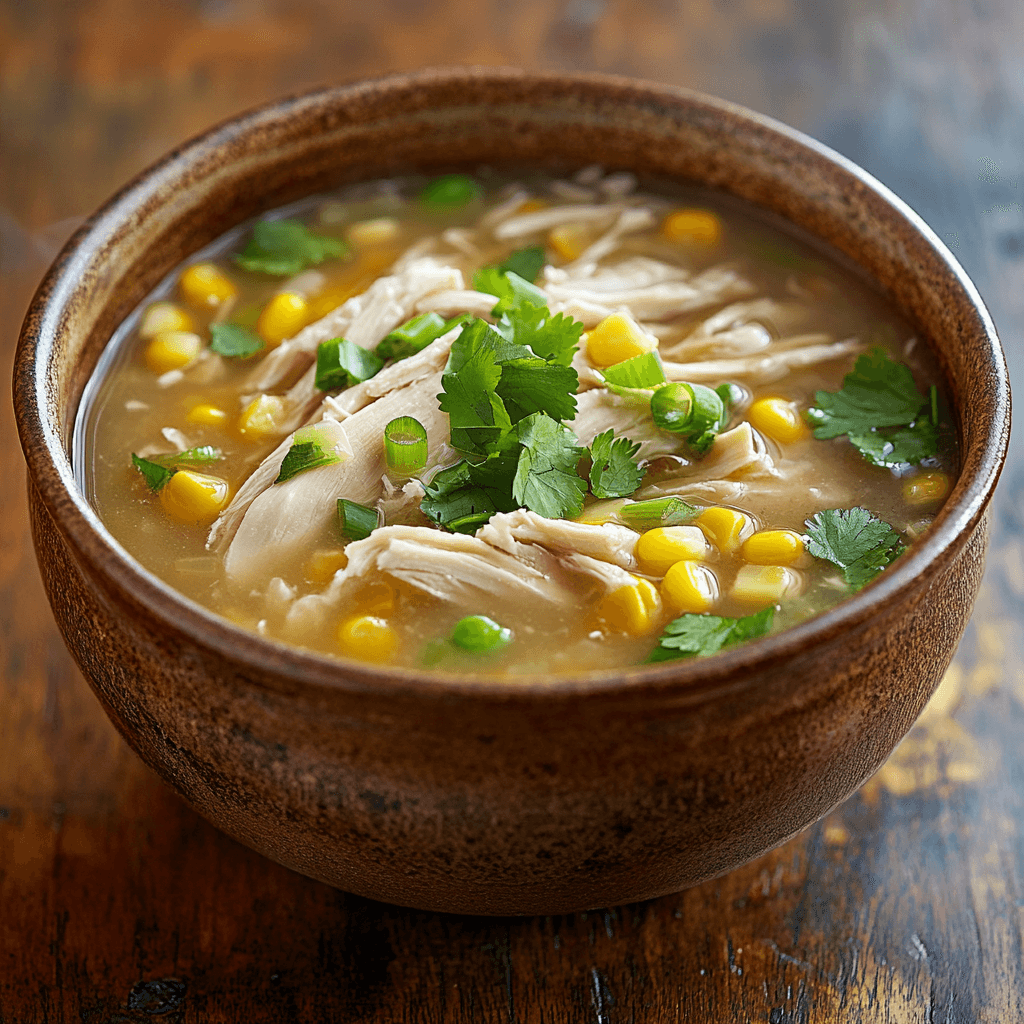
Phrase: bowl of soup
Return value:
(509, 493)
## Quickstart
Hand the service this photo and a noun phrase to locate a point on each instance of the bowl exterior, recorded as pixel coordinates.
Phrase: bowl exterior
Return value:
(471, 796)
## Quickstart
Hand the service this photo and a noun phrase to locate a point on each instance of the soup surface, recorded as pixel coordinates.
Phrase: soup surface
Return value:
(531, 425)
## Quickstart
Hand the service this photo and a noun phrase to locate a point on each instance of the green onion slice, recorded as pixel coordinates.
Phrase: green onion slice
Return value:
(357, 521)
(645, 515)
(405, 445)
(413, 336)
(730, 394)
(480, 635)
(308, 451)
(690, 409)
(449, 191)
(341, 363)
(156, 475)
(642, 371)
(190, 457)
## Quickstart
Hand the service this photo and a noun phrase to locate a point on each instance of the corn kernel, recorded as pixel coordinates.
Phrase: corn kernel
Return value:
(368, 638)
(659, 549)
(206, 285)
(260, 420)
(689, 587)
(726, 528)
(601, 512)
(692, 226)
(569, 240)
(779, 419)
(164, 316)
(765, 584)
(193, 497)
(379, 231)
(615, 338)
(171, 350)
(926, 488)
(532, 206)
(634, 609)
(282, 317)
(321, 566)
(207, 415)
(773, 547)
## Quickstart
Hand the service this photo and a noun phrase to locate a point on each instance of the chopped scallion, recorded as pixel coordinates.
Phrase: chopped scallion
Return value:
(642, 371)
(341, 363)
(357, 521)
(306, 452)
(156, 475)
(645, 515)
(413, 336)
(690, 409)
(449, 191)
(480, 635)
(405, 445)
(190, 457)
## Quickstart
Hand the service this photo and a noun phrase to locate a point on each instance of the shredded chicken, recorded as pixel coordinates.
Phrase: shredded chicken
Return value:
(543, 220)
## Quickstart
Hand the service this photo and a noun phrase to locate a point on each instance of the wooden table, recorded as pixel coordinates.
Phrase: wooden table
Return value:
(118, 904)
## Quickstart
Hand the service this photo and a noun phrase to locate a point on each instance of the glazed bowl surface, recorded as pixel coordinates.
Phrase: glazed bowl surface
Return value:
(474, 794)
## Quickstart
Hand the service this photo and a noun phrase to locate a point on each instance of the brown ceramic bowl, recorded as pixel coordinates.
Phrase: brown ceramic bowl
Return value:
(471, 794)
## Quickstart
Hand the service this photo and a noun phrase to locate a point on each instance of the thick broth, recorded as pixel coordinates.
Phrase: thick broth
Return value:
(136, 410)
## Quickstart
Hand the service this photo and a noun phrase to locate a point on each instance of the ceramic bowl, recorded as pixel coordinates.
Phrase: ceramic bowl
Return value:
(472, 794)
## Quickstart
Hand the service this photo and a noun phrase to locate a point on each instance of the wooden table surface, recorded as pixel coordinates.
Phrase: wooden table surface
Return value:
(119, 904)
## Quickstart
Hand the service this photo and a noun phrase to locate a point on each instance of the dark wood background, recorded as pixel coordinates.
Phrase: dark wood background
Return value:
(118, 904)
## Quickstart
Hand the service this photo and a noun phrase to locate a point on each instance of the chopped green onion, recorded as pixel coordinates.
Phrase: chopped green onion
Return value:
(340, 363)
(689, 409)
(730, 394)
(307, 452)
(527, 263)
(155, 474)
(642, 371)
(449, 191)
(645, 515)
(234, 340)
(357, 521)
(190, 457)
(480, 635)
(413, 336)
(511, 290)
(405, 445)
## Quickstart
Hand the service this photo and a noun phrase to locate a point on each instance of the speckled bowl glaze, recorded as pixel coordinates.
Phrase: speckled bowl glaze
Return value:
(470, 794)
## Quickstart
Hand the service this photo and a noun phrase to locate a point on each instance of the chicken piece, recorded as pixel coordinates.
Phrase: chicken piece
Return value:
(608, 543)
(629, 221)
(543, 220)
(449, 303)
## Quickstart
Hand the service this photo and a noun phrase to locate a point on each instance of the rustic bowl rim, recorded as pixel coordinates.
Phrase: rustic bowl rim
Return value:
(51, 473)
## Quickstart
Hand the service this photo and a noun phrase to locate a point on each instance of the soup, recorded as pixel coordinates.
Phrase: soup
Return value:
(542, 425)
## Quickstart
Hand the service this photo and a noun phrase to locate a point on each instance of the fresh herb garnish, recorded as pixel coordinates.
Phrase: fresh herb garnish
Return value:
(554, 338)
(881, 411)
(692, 636)
(357, 521)
(405, 445)
(645, 515)
(693, 410)
(413, 336)
(464, 496)
(546, 480)
(449, 191)
(286, 247)
(642, 371)
(341, 363)
(527, 263)
(156, 476)
(307, 452)
(860, 544)
(614, 472)
(190, 457)
(234, 340)
(511, 290)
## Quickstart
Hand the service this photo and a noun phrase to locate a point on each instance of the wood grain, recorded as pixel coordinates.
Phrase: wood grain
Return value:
(118, 904)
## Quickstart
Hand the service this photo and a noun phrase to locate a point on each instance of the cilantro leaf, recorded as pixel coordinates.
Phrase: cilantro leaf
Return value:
(306, 452)
(512, 291)
(156, 475)
(891, 448)
(234, 340)
(478, 416)
(341, 363)
(190, 457)
(554, 338)
(854, 540)
(546, 480)
(532, 385)
(700, 635)
(464, 496)
(614, 472)
(285, 247)
(876, 393)
(527, 263)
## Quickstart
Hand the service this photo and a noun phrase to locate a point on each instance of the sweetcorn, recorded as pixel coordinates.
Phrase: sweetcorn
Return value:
(765, 584)
(164, 316)
(321, 566)
(171, 350)
(568, 240)
(926, 488)
(692, 226)
(206, 285)
(634, 609)
(616, 338)
(262, 418)
(726, 528)
(689, 587)
(207, 415)
(282, 317)
(192, 497)
(368, 638)
(659, 549)
(779, 419)
(773, 547)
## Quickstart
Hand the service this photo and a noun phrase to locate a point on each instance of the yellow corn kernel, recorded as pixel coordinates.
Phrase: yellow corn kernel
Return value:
(164, 316)
(634, 609)
(692, 226)
(171, 350)
(206, 285)
(765, 584)
(926, 488)
(260, 420)
(773, 547)
(659, 549)
(726, 528)
(207, 415)
(368, 638)
(568, 240)
(689, 587)
(779, 419)
(282, 317)
(321, 566)
(379, 231)
(615, 338)
(532, 206)
(601, 512)
(193, 497)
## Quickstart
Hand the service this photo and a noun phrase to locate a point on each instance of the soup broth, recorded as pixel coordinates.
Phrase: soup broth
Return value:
(515, 426)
